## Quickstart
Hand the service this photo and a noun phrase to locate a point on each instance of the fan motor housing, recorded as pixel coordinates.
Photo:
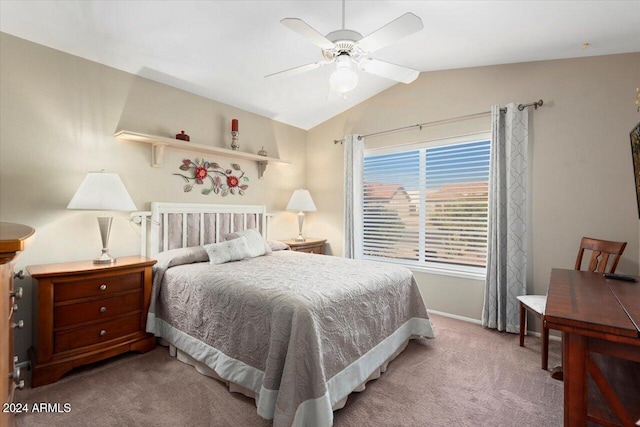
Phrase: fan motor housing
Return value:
(344, 40)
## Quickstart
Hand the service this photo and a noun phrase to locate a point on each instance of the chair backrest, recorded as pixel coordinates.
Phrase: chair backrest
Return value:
(601, 251)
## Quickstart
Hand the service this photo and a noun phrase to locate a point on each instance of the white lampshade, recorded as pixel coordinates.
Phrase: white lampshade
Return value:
(101, 191)
(301, 201)
(343, 79)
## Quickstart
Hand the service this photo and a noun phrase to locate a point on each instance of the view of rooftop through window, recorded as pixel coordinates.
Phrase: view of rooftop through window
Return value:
(429, 205)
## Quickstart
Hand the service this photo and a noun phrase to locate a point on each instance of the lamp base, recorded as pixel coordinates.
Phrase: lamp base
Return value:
(104, 222)
(105, 258)
(300, 237)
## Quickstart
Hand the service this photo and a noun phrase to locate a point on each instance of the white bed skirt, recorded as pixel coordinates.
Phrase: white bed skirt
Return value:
(237, 388)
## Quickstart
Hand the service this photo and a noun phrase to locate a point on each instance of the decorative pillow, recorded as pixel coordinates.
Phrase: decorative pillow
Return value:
(257, 245)
(232, 250)
(278, 246)
(181, 256)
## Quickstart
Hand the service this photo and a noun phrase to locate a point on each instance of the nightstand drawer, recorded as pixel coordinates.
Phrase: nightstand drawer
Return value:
(310, 245)
(313, 250)
(104, 308)
(96, 333)
(96, 287)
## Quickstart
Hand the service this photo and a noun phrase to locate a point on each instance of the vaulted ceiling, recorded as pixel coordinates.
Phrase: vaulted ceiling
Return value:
(223, 49)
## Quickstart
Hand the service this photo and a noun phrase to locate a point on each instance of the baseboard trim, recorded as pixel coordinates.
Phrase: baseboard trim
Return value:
(455, 316)
(538, 334)
(479, 322)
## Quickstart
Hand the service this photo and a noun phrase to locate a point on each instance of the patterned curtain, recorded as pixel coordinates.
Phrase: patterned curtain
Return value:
(506, 258)
(353, 182)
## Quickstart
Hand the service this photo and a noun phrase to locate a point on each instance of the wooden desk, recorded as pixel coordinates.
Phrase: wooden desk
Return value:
(599, 319)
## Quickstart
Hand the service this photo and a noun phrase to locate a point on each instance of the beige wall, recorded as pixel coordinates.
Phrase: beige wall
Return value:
(582, 174)
(58, 116)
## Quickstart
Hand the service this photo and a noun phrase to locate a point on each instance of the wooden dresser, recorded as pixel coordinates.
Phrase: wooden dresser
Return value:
(88, 312)
(13, 239)
(310, 245)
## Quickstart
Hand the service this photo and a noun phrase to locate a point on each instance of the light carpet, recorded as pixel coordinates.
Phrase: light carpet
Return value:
(467, 376)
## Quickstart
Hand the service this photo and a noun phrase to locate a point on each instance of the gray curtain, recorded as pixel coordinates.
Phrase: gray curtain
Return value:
(353, 183)
(506, 252)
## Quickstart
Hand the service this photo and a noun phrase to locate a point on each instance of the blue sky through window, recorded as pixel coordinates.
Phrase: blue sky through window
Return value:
(465, 162)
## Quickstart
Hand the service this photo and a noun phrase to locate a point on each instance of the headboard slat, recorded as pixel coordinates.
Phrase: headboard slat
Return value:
(165, 235)
(184, 230)
(210, 230)
(193, 229)
(217, 228)
(201, 239)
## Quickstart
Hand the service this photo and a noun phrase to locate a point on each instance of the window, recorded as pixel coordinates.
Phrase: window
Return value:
(427, 205)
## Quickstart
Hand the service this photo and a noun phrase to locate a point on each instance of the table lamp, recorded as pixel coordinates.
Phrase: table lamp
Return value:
(301, 201)
(102, 191)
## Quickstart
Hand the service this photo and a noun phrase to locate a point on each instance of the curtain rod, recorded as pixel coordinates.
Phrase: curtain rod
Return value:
(521, 107)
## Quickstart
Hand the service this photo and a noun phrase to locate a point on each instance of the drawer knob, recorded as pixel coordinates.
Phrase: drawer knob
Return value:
(103, 309)
(103, 287)
(17, 294)
(20, 384)
(15, 307)
(103, 333)
(19, 275)
(15, 359)
(18, 325)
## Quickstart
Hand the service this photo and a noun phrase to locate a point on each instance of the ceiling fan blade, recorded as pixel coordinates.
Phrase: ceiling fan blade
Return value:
(400, 28)
(305, 30)
(299, 70)
(388, 70)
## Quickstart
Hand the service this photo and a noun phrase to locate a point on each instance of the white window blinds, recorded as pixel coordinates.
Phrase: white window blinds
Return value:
(428, 206)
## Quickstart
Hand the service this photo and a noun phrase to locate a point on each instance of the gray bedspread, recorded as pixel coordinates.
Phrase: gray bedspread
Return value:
(300, 330)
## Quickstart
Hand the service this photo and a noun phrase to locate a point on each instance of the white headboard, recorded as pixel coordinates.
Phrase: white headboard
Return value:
(179, 225)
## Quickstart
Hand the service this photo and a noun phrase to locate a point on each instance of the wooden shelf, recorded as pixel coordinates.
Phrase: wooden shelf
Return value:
(159, 143)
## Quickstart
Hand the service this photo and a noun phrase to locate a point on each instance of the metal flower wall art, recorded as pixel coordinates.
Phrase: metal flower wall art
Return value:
(219, 180)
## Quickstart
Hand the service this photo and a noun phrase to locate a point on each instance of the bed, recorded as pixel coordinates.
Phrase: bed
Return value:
(297, 332)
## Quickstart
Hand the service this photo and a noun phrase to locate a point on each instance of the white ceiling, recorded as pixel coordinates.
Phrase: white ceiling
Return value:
(222, 49)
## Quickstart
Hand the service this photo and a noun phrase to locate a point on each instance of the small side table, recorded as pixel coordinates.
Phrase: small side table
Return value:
(88, 312)
(310, 245)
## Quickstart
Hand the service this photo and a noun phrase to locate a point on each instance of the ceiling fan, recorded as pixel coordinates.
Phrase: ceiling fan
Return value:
(348, 48)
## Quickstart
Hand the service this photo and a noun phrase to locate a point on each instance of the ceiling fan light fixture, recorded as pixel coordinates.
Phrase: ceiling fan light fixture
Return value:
(344, 79)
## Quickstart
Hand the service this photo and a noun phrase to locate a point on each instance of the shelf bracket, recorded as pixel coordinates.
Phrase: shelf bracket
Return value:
(157, 153)
(262, 167)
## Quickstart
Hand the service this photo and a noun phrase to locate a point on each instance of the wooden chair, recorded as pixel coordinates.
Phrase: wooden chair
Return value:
(601, 251)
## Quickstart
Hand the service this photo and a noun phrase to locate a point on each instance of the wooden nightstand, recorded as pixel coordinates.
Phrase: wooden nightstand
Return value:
(313, 246)
(88, 312)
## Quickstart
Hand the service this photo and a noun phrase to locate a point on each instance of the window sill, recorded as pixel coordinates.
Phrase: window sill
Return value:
(452, 273)
(463, 274)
